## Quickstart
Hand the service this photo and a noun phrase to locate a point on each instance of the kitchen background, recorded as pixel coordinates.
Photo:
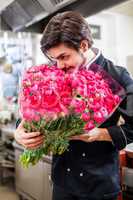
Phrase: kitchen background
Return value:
(21, 25)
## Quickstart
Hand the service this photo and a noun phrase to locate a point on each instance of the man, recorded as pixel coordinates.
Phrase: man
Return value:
(89, 170)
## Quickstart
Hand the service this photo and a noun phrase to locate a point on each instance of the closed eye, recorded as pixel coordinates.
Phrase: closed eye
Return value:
(64, 57)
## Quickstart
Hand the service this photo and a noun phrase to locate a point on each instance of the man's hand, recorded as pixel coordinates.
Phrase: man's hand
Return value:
(29, 140)
(96, 134)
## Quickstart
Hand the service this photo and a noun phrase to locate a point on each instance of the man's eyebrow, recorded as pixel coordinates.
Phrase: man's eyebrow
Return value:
(62, 54)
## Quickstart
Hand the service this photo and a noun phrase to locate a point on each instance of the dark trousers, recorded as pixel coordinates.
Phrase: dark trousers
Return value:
(60, 194)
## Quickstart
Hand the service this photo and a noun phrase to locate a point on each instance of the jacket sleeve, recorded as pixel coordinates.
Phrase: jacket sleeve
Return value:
(123, 134)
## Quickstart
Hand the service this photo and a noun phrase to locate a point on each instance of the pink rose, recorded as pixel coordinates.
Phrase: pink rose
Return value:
(90, 125)
(98, 117)
(85, 116)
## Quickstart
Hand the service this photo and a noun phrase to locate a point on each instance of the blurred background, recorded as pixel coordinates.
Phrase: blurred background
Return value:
(21, 25)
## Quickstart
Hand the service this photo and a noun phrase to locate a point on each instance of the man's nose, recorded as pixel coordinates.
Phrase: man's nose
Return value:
(61, 64)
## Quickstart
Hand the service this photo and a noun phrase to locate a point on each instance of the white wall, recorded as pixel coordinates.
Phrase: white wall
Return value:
(116, 35)
(107, 41)
(124, 37)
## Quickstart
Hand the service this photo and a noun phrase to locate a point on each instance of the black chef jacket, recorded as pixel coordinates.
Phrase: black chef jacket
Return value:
(92, 169)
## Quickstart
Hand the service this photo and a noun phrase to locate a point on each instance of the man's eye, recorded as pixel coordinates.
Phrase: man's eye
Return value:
(64, 57)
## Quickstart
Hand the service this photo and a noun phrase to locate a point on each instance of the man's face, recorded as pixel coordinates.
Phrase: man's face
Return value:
(66, 58)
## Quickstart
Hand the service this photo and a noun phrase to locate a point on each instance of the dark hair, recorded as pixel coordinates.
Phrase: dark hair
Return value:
(69, 28)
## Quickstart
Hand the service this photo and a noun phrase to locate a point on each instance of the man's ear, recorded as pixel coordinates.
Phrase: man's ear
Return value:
(84, 45)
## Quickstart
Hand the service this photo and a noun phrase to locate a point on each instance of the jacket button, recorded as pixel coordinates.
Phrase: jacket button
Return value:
(81, 174)
(83, 154)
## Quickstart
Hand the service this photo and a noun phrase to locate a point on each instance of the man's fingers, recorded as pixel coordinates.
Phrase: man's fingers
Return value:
(34, 146)
(86, 137)
(33, 140)
(82, 137)
(93, 138)
(76, 137)
(30, 135)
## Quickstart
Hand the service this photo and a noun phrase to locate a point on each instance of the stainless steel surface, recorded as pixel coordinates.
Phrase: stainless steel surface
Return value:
(34, 182)
(20, 14)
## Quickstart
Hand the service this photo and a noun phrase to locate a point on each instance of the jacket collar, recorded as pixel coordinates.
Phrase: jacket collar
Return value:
(98, 59)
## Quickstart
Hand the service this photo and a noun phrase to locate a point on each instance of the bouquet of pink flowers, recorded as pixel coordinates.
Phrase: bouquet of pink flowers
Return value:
(59, 105)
